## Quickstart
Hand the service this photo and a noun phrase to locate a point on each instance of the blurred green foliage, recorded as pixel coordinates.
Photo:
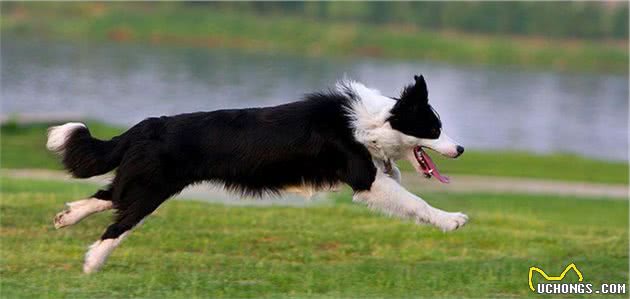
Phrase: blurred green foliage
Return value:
(312, 29)
(575, 19)
(592, 20)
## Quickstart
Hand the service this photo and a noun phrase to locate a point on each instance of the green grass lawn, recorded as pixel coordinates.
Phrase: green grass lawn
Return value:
(23, 146)
(192, 249)
(194, 26)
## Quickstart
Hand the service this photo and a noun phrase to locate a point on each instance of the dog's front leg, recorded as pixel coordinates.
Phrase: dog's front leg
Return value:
(389, 168)
(388, 196)
(395, 173)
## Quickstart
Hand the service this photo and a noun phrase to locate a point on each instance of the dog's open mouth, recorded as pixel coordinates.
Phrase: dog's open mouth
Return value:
(426, 165)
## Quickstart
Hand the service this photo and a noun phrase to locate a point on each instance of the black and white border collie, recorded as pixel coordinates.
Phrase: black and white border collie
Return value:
(351, 135)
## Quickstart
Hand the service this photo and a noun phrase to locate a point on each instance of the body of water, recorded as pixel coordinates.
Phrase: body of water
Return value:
(483, 108)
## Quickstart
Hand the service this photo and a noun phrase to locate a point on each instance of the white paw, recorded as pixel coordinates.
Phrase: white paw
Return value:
(450, 221)
(98, 252)
(59, 220)
(95, 256)
(77, 210)
(66, 217)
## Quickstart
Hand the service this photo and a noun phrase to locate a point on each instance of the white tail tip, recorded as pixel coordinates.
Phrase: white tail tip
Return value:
(58, 136)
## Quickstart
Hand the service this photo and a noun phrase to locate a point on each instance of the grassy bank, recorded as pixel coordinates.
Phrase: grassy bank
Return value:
(522, 164)
(192, 249)
(195, 26)
(23, 146)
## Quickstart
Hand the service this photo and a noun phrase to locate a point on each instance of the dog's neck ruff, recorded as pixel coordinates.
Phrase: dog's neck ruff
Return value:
(369, 111)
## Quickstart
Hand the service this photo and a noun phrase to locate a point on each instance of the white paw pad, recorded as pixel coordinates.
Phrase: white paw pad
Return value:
(61, 220)
(68, 216)
(77, 210)
(450, 221)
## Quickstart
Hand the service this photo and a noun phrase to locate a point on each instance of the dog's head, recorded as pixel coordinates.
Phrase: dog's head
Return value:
(421, 127)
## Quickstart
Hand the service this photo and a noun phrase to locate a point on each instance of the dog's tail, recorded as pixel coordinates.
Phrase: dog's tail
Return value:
(83, 155)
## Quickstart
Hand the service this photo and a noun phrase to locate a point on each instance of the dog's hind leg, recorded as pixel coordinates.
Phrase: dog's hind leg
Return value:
(145, 201)
(115, 233)
(77, 210)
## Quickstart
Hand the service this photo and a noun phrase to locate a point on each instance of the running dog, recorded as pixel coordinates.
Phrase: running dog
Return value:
(349, 135)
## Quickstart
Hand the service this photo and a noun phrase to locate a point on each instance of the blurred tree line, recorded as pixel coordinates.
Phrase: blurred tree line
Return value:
(587, 20)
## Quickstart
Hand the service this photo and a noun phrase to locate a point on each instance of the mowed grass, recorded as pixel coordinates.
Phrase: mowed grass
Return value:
(192, 249)
(23, 146)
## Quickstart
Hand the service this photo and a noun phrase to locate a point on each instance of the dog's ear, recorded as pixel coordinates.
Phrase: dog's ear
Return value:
(421, 87)
(416, 93)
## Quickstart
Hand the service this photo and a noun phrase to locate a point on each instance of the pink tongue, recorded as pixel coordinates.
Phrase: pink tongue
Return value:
(431, 165)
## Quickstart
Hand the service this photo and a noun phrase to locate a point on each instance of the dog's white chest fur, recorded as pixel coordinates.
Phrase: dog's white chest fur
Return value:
(369, 116)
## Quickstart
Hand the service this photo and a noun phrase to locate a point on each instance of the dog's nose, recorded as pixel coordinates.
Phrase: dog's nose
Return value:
(460, 150)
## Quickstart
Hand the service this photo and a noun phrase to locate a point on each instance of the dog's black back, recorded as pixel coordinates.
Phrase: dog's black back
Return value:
(252, 151)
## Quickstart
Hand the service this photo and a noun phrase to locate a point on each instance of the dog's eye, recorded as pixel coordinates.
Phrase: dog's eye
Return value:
(435, 131)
